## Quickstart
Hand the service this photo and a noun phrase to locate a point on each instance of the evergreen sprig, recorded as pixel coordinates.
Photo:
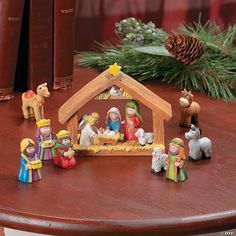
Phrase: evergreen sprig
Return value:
(213, 73)
(133, 31)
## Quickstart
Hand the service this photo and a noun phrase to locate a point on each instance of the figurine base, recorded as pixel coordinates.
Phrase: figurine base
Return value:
(159, 172)
(116, 150)
(192, 159)
(203, 158)
(115, 153)
(184, 125)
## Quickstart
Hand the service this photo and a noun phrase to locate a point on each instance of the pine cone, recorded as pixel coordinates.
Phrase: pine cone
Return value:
(184, 48)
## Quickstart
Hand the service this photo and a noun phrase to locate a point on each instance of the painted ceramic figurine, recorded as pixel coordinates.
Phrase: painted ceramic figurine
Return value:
(132, 120)
(144, 137)
(176, 161)
(88, 128)
(45, 140)
(113, 119)
(32, 104)
(65, 155)
(30, 165)
(114, 91)
(199, 148)
(158, 160)
(189, 109)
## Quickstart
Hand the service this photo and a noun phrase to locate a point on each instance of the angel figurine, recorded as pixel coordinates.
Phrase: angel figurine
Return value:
(88, 128)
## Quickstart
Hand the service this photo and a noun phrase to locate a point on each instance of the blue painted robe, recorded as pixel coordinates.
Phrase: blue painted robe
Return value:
(28, 176)
(114, 125)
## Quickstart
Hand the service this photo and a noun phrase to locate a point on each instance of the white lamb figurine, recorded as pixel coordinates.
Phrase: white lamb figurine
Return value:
(144, 137)
(158, 160)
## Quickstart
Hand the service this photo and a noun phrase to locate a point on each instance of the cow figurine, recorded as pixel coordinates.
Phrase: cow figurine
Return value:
(32, 104)
(144, 137)
(158, 160)
(189, 109)
(199, 148)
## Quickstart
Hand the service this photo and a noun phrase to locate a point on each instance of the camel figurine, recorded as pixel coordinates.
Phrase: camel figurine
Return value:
(32, 104)
(189, 109)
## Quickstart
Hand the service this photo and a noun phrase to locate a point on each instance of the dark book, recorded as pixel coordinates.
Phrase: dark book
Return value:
(11, 12)
(64, 13)
(40, 54)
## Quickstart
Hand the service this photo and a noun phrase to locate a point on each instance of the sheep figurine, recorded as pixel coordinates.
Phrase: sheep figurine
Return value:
(144, 137)
(158, 160)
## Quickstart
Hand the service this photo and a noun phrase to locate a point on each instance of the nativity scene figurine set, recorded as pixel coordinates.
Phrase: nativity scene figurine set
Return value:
(121, 134)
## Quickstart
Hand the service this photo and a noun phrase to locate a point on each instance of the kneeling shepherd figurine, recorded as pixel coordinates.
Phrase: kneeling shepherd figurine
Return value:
(65, 155)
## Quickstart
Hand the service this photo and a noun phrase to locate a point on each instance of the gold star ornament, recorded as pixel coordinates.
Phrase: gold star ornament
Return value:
(114, 69)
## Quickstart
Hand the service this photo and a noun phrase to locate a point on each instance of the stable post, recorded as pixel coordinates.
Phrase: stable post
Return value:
(158, 128)
(72, 127)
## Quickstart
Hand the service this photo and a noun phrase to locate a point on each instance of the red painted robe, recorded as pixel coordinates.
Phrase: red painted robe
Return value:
(129, 131)
(62, 161)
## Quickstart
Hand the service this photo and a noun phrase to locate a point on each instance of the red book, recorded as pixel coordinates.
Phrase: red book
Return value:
(11, 12)
(64, 13)
(40, 64)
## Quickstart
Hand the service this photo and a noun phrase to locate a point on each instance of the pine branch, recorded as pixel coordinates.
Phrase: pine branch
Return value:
(213, 73)
(212, 35)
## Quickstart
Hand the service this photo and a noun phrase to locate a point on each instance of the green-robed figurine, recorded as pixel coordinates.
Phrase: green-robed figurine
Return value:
(176, 161)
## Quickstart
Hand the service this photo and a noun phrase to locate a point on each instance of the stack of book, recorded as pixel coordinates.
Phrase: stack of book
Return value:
(36, 44)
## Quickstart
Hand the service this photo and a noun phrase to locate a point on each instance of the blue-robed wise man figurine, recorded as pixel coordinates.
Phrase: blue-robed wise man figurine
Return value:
(30, 165)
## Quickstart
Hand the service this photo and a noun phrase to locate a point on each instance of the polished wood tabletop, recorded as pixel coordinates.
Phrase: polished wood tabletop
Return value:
(119, 195)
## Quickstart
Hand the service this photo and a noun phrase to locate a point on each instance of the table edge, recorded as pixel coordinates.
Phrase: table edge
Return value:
(66, 226)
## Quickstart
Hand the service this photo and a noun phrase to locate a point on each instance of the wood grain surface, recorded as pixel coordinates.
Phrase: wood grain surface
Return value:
(2, 231)
(119, 195)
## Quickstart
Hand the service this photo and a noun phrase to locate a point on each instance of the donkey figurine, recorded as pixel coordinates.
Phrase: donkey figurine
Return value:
(189, 109)
(32, 104)
(199, 148)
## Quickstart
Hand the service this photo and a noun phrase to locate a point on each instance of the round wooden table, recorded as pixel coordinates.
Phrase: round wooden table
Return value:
(119, 195)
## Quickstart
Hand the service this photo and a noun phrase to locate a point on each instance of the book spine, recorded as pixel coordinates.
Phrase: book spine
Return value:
(11, 12)
(40, 66)
(64, 13)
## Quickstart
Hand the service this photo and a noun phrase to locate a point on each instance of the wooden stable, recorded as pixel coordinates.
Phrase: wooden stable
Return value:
(161, 109)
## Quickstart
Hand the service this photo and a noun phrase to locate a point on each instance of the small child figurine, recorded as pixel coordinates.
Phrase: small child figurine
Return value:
(88, 128)
(158, 160)
(45, 140)
(132, 120)
(30, 165)
(176, 161)
(113, 120)
(64, 153)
